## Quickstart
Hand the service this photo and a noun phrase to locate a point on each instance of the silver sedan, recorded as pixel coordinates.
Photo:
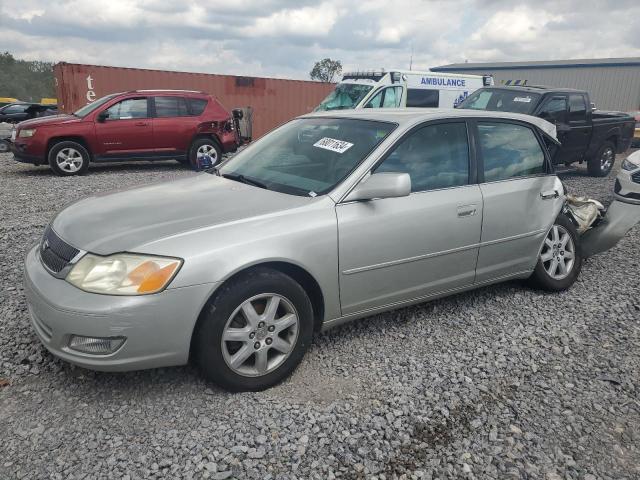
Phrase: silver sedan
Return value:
(329, 218)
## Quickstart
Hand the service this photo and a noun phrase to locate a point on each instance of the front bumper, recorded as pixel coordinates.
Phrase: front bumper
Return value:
(20, 154)
(627, 188)
(157, 327)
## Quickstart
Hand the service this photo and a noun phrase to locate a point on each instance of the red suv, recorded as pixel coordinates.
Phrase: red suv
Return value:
(137, 125)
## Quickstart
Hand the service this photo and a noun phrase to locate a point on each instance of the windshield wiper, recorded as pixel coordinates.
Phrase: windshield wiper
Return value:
(241, 178)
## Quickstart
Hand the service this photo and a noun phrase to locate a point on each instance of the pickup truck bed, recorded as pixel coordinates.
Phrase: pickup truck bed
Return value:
(586, 134)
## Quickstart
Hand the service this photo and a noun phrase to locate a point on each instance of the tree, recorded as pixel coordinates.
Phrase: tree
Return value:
(326, 70)
(25, 80)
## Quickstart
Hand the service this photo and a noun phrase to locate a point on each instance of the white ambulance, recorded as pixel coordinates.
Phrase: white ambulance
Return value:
(402, 88)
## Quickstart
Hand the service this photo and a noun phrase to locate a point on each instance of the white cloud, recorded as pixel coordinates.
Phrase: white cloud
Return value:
(307, 21)
(285, 37)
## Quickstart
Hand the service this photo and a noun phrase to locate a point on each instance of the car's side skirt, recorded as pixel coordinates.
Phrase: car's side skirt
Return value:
(129, 157)
(334, 322)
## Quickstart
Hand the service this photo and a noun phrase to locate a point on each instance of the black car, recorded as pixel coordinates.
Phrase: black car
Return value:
(17, 112)
(586, 134)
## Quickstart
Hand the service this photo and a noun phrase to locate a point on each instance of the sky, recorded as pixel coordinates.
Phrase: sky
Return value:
(281, 38)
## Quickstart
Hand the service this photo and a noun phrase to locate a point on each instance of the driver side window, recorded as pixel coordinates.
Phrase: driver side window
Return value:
(128, 109)
(386, 98)
(435, 156)
(555, 110)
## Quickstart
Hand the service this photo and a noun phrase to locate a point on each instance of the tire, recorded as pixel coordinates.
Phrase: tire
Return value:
(602, 162)
(544, 276)
(69, 158)
(4, 146)
(281, 349)
(202, 145)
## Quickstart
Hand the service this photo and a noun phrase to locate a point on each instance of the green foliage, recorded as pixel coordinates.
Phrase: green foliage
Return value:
(25, 80)
(326, 70)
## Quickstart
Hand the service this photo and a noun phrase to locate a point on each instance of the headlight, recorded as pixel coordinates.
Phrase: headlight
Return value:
(123, 273)
(629, 165)
(27, 132)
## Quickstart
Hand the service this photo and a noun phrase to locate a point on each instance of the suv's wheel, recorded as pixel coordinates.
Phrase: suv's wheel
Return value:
(69, 158)
(254, 332)
(4, 146)
(560, 259)
(205, 146)
(602, 162)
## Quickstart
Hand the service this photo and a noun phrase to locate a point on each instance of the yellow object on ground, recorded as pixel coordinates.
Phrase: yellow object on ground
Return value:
(48, 101)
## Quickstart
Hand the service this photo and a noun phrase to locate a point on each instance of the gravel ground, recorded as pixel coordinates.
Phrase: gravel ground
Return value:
(503, 382)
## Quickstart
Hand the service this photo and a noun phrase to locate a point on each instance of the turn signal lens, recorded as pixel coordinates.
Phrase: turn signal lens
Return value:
(156, 280)
(123, 273)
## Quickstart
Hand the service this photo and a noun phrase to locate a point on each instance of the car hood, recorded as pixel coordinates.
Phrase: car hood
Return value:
(50, 120)
(127, 220)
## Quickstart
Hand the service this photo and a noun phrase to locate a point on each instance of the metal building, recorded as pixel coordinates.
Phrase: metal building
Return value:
(612, 83)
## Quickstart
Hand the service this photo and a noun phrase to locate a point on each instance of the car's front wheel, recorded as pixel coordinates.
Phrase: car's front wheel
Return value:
(254, 332)
(69, 158)
(560, 259)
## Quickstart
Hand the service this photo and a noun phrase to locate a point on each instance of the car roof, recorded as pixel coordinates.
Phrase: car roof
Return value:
(412, 116)
(169, 91)
(534, 89)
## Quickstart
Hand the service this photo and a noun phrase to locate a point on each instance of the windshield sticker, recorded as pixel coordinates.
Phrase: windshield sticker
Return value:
(522, 99)
(338, 146)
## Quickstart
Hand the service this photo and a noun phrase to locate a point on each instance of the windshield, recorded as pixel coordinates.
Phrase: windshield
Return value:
(345, 96)
(501, 100)
(87, 109)
(307, 156)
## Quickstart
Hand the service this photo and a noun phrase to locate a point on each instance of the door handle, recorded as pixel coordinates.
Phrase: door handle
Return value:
(467, 210)
(549, 194)
(141, 124)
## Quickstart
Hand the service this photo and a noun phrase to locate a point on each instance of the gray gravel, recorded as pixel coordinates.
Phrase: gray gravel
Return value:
(503, 382)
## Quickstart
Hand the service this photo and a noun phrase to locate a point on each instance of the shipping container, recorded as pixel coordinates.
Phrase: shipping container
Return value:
(273, 101)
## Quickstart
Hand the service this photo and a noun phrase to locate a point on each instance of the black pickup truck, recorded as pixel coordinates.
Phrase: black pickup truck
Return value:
(586, 134)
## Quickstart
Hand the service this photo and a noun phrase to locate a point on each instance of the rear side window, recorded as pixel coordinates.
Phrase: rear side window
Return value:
(197, 105)
(577, 108)
(436, 156)
(420, 97)
(509, 151)
(171, 107)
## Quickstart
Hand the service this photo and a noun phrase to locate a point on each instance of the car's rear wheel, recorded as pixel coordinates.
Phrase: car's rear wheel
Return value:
(205, 146)
(560, 259)
(69, 158)
(4, 146)
(602, 162)
(254, 332)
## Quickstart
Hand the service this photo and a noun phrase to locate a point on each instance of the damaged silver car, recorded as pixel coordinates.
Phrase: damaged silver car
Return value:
(329, 218)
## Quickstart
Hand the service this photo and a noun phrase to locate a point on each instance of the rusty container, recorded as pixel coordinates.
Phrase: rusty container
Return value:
(273, 100)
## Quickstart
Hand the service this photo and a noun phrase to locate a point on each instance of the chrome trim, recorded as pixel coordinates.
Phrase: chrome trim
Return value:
(334, 322)
(392, 263)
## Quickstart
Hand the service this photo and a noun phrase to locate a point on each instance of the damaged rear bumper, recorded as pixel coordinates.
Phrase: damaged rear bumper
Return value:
(619, 219)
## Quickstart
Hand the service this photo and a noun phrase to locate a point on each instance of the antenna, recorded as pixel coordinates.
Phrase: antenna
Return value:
(411, 59)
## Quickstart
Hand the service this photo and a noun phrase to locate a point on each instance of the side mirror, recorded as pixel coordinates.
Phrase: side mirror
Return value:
(381, 185)
(102, 116)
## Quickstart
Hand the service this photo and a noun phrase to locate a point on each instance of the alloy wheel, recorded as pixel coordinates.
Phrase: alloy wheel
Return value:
(607, 159)
(558, 253)
(260, 335)
(207, 150)
(69, 160)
